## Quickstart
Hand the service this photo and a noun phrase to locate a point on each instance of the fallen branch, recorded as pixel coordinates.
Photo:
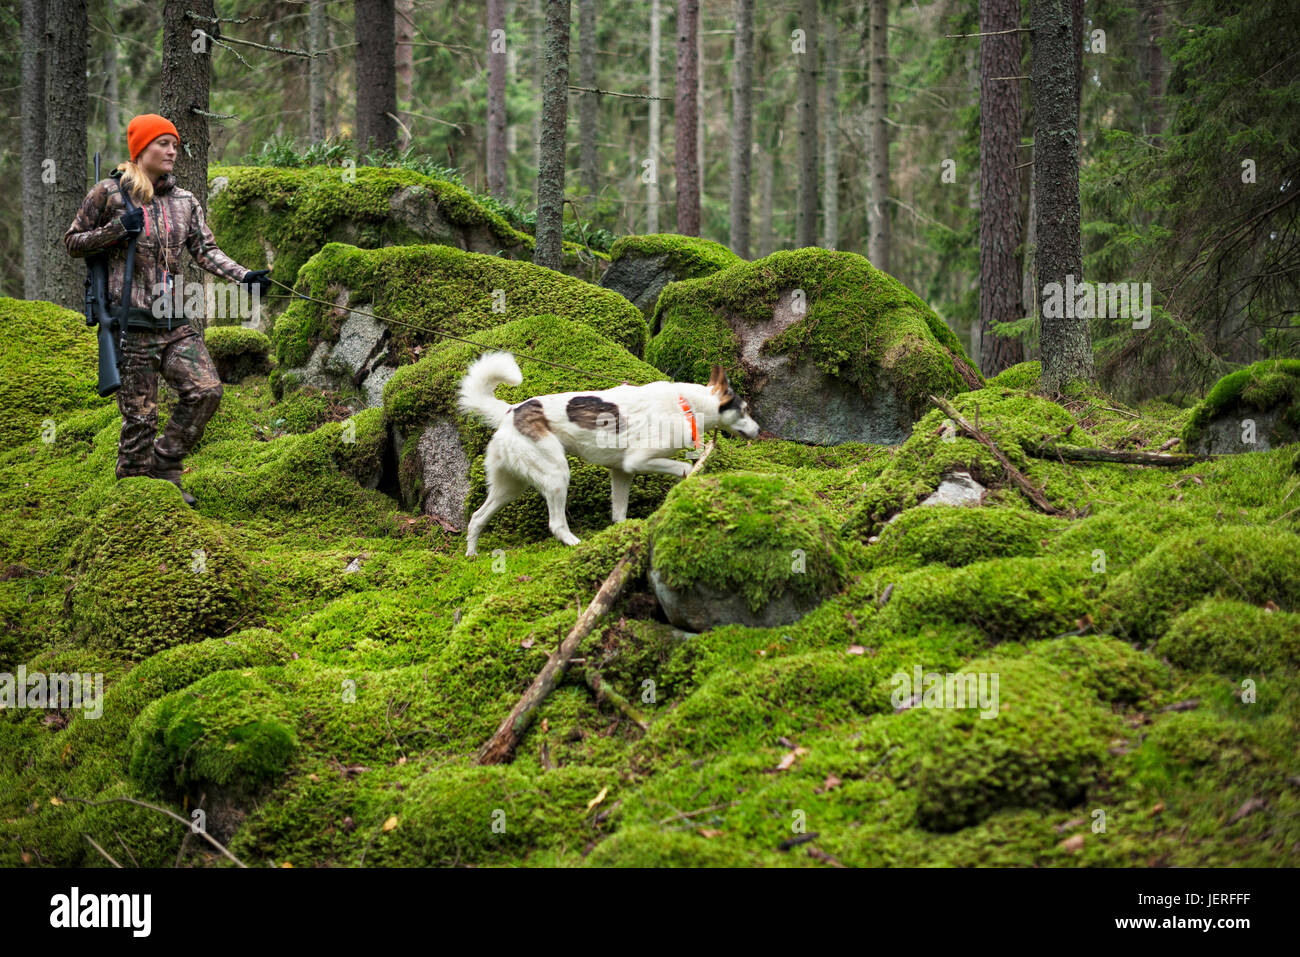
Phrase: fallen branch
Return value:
(101, 850)
(501, 746)
(605, 692)
(161, 810)
(1079, 454)
(1030, 491)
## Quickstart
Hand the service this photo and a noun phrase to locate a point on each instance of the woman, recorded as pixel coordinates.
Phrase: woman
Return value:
(166, 218)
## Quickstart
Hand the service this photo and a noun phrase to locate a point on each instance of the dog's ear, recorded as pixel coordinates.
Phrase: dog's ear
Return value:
(718, 381)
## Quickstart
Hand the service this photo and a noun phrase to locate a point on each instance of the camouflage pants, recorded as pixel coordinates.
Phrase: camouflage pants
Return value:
(183, 360)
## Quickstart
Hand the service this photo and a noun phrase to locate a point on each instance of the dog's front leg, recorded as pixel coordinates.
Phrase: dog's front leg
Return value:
(620, 484)
(660, 466)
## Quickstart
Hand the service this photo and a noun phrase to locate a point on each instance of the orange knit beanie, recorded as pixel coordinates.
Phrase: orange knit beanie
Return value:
(146, 128)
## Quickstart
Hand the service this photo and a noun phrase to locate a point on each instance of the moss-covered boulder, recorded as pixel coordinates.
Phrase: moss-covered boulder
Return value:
(48, 368)
(959, 536)
(277, 218)
(1233, 638)
(1256, 565)
(149, 573)
(641, 266)
(238, 351)
(746, 548)
(1251, 410)
(827, 347)
(440, 467)
(420, 289)
(1023, 375)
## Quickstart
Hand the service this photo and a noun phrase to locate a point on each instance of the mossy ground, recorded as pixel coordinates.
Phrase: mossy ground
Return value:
(327, 713)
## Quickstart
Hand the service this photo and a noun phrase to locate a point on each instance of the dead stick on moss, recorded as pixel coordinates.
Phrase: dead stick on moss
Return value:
(161, 810)
(604, 691)
(1078, 454)
(501, 746)
(101, 850)
(1031, 492)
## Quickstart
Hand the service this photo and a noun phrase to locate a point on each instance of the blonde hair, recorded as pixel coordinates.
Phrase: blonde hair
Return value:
(136, 182)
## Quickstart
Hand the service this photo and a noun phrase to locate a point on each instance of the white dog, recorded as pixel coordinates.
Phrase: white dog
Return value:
(628, 429)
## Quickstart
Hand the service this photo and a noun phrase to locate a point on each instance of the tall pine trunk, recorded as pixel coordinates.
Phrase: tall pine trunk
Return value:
(65, 145)
(652, 187)
(878, 242)
(186, 80)
(999, 182)
(36, 194)
(742, 126)
(376, 75)
(404, 60)
(806, 191)
(587, 102)
(686, 166)
(497, 64)
(1064, 338)
(1150, 63)
(112, 106)
(549, 251)
(317, 122)
(831, 149)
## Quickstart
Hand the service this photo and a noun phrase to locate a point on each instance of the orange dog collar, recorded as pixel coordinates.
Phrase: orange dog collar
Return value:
(690, 417)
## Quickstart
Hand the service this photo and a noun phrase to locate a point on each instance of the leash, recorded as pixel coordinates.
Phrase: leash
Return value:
(411, 325)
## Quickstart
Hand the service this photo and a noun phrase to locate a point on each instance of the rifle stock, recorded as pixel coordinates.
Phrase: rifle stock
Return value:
(110, 327)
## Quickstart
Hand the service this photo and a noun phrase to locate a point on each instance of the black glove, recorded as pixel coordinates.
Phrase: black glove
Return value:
(133, 221)
(262, 277)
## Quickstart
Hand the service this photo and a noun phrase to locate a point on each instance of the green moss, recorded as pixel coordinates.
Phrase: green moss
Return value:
(1265, 385)
(1023, 376)
(230, 730)
(436, 287)
(861, 324)
(48, 370)
(1251, 564)
(916, 467)
(237, 351)
(1232, 638)
(149, 573)
(689, 257)
(960, 536)
(751, 533)
(1005, 599)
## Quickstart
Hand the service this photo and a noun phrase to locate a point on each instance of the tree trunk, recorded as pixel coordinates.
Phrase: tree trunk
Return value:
(831, 150)
(376, 75)
(549, 251)
(512, 74)
(742, 126)
(766, 231)
(652, 188)
(539, 79)
(113, 109)
(699, 104)
(497, 62)
(878, 243)
(806, 192)
(587, 102)
(1150, 63)
(686, 167)
(999, 183)
(1077, 24)
(1065, 343)
(404, 60)
(316, 123)
(186, 79)
(36, 194)
(65, 146)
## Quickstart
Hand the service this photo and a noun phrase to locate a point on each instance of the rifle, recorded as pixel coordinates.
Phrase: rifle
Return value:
(112, 328)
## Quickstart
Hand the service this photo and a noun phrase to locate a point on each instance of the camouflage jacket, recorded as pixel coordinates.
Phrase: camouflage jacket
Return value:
(173, 220)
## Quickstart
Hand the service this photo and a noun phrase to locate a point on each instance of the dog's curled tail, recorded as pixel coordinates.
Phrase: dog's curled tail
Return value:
(478, 388)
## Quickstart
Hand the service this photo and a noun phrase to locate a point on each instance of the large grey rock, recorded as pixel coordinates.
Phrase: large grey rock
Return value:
(956, 488)
(358, 338)
(373, 387)
(353, 361)
(701, 607)
(796, 400)
(639, 279)
(442, 467)
(1222, 435)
